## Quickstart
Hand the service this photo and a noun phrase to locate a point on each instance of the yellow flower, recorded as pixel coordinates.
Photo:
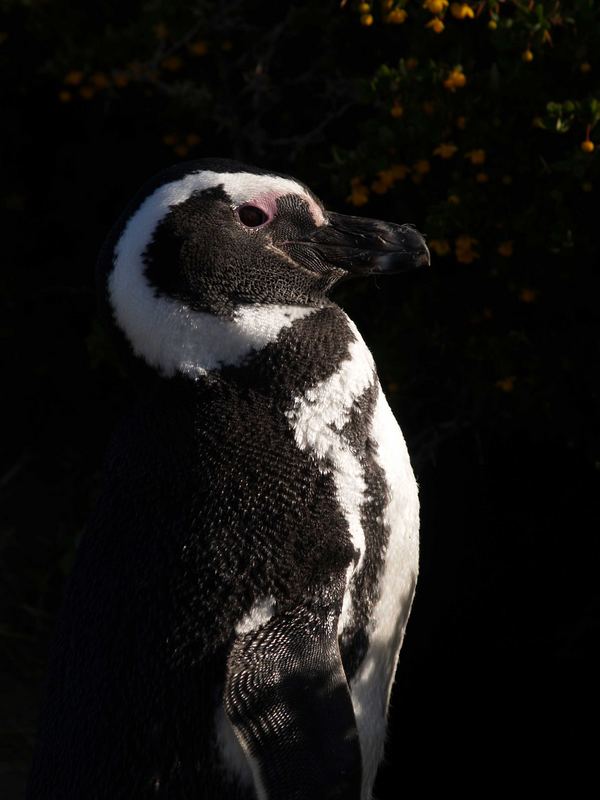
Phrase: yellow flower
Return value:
(462, 11)
(528, 295)
(506, 249)
(445, 150)
(465, 242)
(463, 249)
(74, 77)
(120, 79)
(422, 166)
(64, 96)
(466, 256)
(161, 31)
(482, 177)
(364, 8)
(435, 6)
(396, 110)
(379, 187)
(441, 247)
(585, 67)
(198, 48)
(454, 199)
(359, 197)
(87, 92)
(527, 56)
(506, 384)
(397, 16)
(366, 20)
(456, 79)
(436, 25)
(587, 146)
(399, 171)
(359, 194)
(386, 176)
(476, 156)
(384, 181)
(99, 80)
(492, 24)
(172, 63)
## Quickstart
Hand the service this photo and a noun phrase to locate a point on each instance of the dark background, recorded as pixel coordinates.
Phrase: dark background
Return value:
(489, 358)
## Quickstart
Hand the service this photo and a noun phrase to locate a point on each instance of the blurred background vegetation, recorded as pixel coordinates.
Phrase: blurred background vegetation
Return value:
(475, 121)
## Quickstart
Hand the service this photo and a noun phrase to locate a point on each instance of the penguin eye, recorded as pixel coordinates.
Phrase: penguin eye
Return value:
(252, 216)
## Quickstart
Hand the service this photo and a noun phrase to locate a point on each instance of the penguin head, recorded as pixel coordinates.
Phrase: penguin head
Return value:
(212, 237)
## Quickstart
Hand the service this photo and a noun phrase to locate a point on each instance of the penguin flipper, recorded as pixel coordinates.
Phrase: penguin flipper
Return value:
(288, 700)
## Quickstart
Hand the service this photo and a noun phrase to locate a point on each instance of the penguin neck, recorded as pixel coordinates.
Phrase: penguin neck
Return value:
(313, 348)
(178, 340)
(276, 350)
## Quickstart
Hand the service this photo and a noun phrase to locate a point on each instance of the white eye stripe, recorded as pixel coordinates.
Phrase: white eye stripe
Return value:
(241, 188)
(244, 187)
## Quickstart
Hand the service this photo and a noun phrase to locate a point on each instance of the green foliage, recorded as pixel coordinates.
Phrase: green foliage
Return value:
(502, 78)
(525, 79)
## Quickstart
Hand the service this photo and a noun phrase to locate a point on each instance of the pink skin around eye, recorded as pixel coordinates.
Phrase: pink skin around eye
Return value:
(266, 202)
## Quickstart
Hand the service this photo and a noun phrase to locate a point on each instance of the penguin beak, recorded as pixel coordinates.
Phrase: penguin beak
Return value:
(360, 246)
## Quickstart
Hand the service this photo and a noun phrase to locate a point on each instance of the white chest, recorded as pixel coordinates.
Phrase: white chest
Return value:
(317, 419)
(371, 686)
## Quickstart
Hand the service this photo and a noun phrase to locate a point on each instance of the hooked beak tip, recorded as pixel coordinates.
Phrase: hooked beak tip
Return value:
(415, 256)
(424, 259)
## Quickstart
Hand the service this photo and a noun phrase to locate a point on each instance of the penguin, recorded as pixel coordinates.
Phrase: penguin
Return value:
(233, 620)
